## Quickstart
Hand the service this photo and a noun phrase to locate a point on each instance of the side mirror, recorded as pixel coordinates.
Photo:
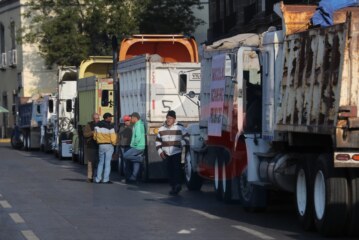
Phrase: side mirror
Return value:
(68, 105)
(51, 106)
(182, 84)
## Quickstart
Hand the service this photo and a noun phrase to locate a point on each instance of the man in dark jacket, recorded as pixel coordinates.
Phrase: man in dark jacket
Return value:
(91, 147)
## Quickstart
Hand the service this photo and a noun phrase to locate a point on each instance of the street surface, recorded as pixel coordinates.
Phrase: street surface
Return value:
(44, 198)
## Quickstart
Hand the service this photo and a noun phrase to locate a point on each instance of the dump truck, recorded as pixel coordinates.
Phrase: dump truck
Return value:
(279, 112)
(157, 73)
(94, 94)
(63, 120)
(33, 129)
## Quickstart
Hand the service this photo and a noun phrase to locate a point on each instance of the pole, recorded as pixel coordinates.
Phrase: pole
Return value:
(116, 85)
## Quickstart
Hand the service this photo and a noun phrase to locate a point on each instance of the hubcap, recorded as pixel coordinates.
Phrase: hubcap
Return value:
(301, 193)
(319, 194)
(216, 174)
(224, 177)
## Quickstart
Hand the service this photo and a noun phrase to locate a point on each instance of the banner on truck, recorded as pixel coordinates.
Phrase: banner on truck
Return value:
(217, 95)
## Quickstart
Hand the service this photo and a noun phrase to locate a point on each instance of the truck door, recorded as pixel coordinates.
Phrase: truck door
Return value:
(250, 91)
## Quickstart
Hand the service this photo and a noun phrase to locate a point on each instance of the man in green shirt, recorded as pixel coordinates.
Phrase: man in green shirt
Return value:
(134, 155)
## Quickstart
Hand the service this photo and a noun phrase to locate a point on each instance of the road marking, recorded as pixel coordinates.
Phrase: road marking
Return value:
(253, 232)
(29, 235)
(207, 215)
(5, 204)
(184, 231)
(16, 218)
(144, 192)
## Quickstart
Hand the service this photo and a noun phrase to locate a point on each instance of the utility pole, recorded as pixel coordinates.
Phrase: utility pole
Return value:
(116, 85)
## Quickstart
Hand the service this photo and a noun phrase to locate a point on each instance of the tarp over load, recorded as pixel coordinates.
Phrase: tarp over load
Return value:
(323, 15)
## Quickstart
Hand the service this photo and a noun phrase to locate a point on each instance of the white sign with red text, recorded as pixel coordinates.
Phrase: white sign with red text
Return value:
(217, 95)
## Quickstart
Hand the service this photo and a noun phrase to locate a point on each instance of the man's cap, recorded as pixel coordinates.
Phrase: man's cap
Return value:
(106, 115)
(136, 114)
(171, 113)
(126, 118)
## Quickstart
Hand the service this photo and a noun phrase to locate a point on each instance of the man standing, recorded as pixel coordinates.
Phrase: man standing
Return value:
(138, 142)
(170, 140)
(105, 137)
(91, 147)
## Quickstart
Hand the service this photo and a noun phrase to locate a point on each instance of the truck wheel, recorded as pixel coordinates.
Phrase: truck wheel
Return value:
(192, 179)
(253, 198)
(330, 197)
(28, 141)
(226, 183)
(15, 142)
(217, 176)
(304, 196)
(353, 223)
(81, 151)
(24, 137)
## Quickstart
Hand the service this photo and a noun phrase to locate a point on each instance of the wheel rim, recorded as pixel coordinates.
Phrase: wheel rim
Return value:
(301, 192)
(319, 194)
(216, 174)
(224, 177)
(28, 142)
(188, 166)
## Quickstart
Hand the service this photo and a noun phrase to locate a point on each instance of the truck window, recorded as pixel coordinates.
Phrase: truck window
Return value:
(38, 109)
(253, 92)
(182, 85)
(68, 105)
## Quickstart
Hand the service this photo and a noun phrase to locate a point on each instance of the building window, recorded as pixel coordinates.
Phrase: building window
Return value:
(13, 34)
(2, 38)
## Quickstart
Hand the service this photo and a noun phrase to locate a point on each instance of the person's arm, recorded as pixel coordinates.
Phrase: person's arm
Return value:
(185, 137)
(87, 132)
(159, 149)
(113, 136)
(95, 134)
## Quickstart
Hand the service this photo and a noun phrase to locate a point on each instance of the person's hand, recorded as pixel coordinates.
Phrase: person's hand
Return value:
(163, 155)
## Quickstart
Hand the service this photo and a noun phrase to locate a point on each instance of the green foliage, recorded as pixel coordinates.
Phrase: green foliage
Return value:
(169, 16)
(69, 31)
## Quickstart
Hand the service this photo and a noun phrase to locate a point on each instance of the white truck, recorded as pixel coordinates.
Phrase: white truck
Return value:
(33, 128)
(279, 111)
(63, 121)
(152, 88)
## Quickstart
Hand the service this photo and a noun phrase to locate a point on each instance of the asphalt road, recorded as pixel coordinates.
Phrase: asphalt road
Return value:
(44, 198)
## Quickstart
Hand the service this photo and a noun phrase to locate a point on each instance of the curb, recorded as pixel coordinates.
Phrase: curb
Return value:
(5, 140)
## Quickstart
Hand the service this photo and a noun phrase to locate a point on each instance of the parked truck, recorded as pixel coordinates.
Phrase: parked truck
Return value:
(33, 129)
(94, 94)
(155, 71)
(152, 88)
(63, 120)
(279, 112)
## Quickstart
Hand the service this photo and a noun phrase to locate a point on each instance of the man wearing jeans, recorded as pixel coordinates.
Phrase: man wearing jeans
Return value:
(133, 156)
(105, 137)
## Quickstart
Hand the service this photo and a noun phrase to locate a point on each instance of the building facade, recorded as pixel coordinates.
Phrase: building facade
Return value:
(23, 72)
(230, 17)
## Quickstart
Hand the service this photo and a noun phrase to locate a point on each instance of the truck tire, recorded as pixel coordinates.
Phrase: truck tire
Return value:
(226, 182)
(16, 143)
(304, 196)
(193, 180)
(217, 176)
(331, 199)
(24, 137)
(353, 222)
(28, 136)
(253, 197)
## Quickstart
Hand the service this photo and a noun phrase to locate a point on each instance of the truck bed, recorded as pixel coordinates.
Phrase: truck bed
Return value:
(320, 80)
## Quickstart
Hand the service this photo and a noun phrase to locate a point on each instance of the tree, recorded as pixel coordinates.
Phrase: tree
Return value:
(169, 16)
(69, 31)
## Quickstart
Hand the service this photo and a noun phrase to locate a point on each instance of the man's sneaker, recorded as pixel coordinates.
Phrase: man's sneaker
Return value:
(177, 189)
